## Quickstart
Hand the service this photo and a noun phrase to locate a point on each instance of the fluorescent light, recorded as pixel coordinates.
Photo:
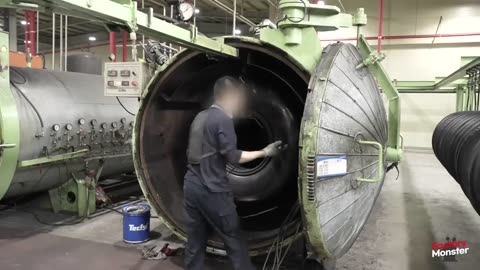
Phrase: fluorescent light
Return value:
(23, 22)
(238, 31)
(197, 11)
(92, 38)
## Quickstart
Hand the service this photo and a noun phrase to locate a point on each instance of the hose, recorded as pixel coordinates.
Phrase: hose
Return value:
(456, 144)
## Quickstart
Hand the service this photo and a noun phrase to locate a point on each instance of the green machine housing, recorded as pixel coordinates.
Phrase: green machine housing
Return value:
(325, 102)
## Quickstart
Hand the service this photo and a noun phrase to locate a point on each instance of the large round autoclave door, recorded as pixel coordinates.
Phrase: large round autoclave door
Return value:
(343, 107)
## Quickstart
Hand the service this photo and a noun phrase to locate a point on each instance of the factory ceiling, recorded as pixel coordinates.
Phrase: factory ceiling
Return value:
(212, 18)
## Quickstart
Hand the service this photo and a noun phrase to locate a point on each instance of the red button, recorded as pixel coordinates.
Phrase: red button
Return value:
(134, 83)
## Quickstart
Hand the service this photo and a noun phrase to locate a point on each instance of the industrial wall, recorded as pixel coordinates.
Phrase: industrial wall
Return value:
(420, 59)
(409, 58)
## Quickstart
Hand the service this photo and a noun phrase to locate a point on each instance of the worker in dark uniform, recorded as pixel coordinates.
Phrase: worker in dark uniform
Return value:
(208, 197)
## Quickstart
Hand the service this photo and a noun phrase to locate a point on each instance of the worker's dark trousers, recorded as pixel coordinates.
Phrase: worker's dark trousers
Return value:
(206, 210)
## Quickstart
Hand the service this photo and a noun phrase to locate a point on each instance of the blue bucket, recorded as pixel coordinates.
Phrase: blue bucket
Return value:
(136, 223)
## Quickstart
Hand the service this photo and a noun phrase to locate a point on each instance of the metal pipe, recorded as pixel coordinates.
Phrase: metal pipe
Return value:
(438, 28)
(60, 31)
(195, 14)
(27, 36)
(380, 28)
(143, 36)
(37, 30)
(113, 49)
(395, 37)
(53, 41)
(230, 11)
(33, 36)
(234, 17)
(124, 46)
(66, 42)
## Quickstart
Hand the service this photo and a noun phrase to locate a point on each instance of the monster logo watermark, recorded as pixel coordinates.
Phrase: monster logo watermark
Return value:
(450, 249)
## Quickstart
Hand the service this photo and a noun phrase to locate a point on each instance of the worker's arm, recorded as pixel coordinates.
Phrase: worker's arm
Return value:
(271, 150)
(248, 156)
(227, 140)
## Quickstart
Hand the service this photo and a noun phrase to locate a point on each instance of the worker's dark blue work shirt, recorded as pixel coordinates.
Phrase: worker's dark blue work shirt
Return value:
(219, 132)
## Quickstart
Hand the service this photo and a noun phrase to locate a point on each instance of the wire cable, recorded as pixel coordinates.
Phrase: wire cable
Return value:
(42, 125)
(121, 104)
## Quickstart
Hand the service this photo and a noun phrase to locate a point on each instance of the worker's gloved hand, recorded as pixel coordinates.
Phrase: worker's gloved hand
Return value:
(274, 149)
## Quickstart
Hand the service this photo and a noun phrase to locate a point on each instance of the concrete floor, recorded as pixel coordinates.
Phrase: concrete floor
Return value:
(424, 205)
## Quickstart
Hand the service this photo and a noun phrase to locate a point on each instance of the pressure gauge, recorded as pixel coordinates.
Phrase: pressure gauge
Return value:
(186, 11)
(123, 121)
(81, 121)
(93, 122)
(114, 124)
(103, 125)
(56, 127)
(68, 127)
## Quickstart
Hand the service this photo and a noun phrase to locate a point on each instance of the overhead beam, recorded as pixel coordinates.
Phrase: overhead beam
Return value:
(229, 10)
(127, 15)
(458, 74)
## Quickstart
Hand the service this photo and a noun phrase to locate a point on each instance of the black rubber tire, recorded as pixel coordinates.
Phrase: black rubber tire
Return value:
(456, 143)
(272, 174)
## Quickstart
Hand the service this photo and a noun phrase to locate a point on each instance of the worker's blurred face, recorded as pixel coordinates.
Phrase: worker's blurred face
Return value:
(234, 102)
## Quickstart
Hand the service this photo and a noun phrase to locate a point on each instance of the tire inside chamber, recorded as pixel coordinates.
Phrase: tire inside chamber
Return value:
(266, 189)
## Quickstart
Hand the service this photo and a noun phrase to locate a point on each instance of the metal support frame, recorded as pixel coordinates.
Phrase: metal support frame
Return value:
(372, 62)
(53, 159)
(297, 31)
(76, 196)
(125, 13)
(301, 14)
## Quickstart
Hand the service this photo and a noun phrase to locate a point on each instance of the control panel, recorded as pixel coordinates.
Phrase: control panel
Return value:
(126, 79)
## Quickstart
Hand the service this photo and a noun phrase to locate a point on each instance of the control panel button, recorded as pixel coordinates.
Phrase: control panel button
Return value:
(112, 73)
(110, 83)
(126, 83)
(125, 73)
(134, 83)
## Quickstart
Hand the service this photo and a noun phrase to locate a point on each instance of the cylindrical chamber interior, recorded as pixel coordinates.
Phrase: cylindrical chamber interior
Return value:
(266, 189)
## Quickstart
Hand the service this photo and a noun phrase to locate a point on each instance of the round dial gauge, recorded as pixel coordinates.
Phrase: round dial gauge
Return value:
(93, 122)
(68, 127)
(104, 125)
(114, 124)
(81, 121)
(56, 127)
(131, 124)
(186, 11)
(123, 121)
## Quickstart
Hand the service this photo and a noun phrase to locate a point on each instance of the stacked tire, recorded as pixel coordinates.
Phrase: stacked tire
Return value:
(456, 143)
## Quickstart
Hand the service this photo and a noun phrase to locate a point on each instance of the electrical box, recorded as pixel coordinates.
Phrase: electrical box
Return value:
(126, 79)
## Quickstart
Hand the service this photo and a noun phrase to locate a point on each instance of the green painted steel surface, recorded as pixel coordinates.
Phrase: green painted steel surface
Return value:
(299, 14)
(394, 149)
(9, 121)
(76, 196)
(307, 53)
(52, 159)
(460, 94)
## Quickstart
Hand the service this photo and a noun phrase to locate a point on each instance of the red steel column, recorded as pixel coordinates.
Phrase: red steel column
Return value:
(113, 48)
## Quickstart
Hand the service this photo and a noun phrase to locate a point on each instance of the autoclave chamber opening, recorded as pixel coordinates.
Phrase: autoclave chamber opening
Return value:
(266, 189)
